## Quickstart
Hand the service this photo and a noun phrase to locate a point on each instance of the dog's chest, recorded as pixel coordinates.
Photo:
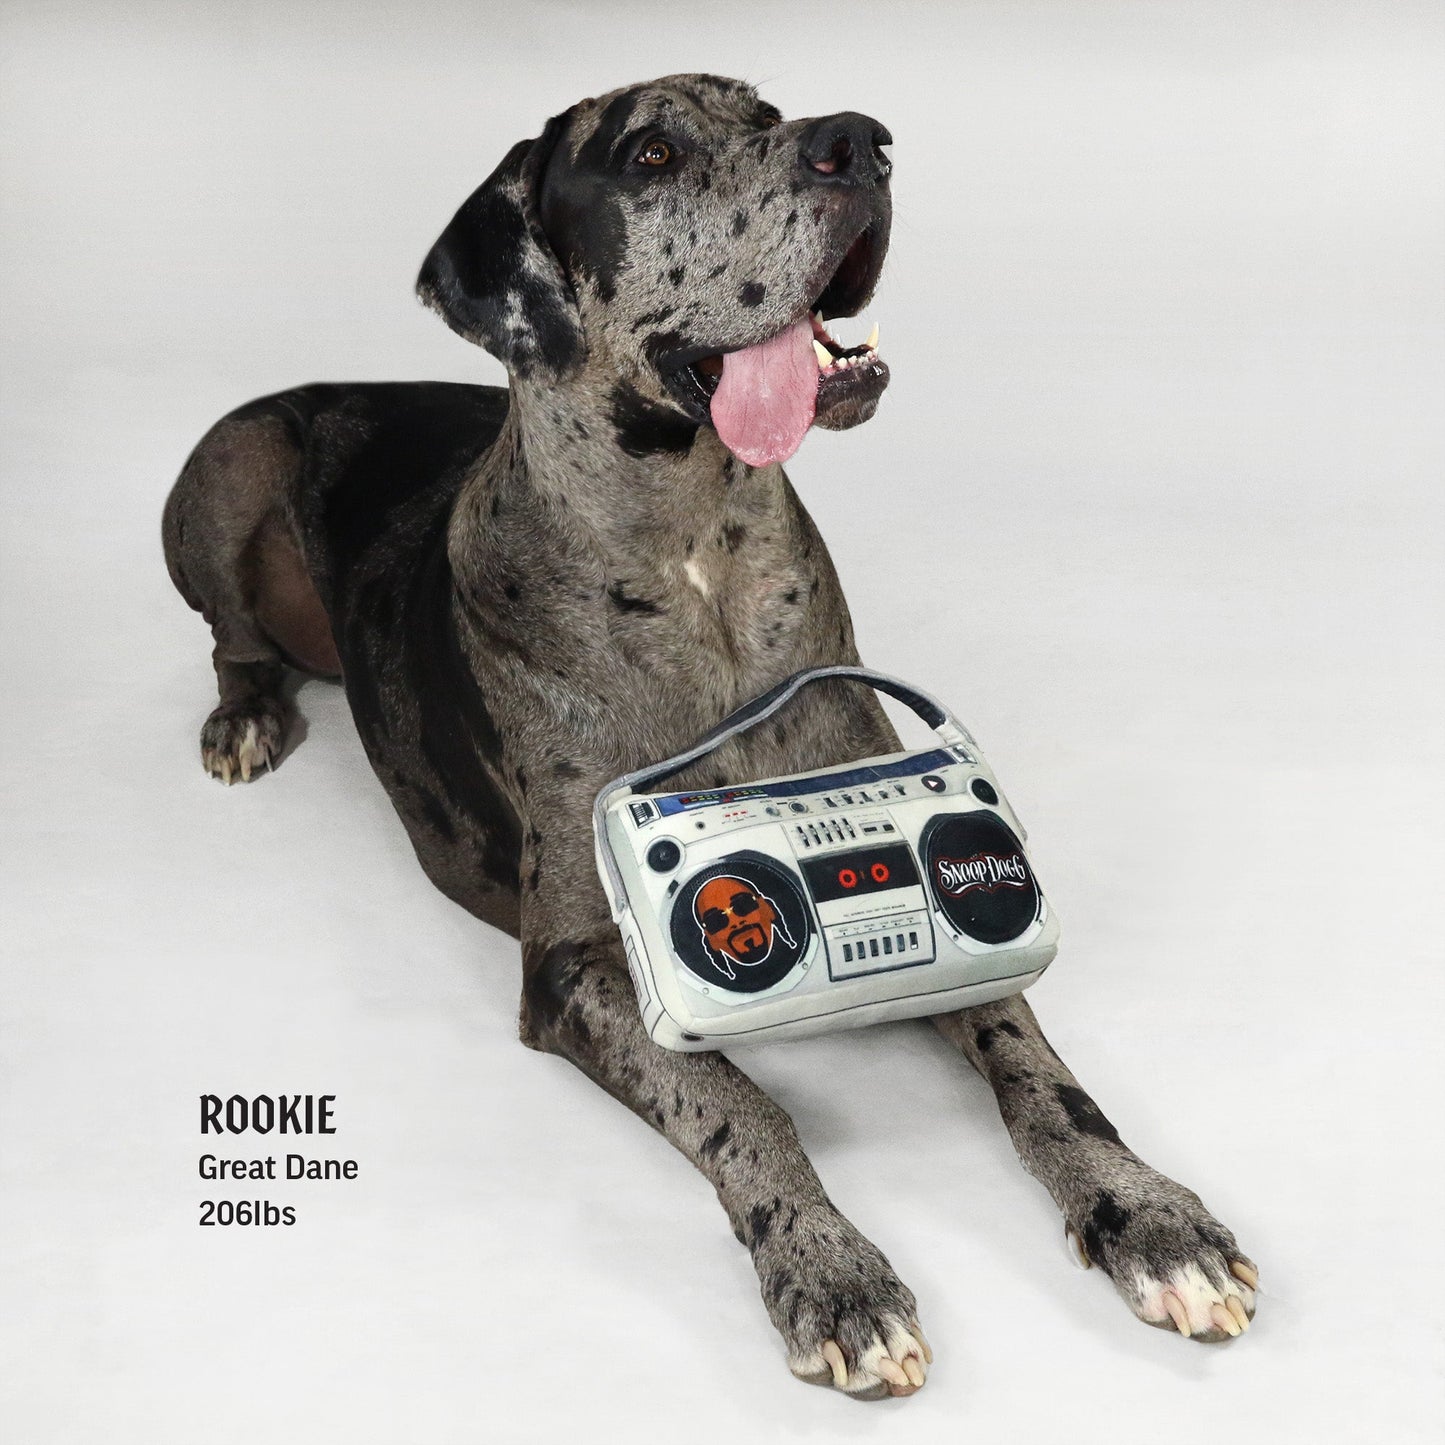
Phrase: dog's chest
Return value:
(729, 611)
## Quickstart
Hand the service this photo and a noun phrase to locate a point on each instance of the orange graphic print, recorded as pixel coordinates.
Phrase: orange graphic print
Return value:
(739, 923)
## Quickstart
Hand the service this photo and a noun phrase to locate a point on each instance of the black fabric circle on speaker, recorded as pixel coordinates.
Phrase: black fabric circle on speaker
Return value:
(980, 879)
(741, 923)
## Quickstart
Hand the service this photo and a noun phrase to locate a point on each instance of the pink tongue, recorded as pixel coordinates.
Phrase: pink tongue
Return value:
(763, 406)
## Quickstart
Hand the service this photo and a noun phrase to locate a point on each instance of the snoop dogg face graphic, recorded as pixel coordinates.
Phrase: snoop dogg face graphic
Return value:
(739, 923)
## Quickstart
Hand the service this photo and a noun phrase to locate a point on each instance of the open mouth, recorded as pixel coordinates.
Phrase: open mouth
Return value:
(834, 361)
(824, 379)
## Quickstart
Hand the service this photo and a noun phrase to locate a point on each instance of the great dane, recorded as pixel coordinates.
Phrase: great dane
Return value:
(530, 591)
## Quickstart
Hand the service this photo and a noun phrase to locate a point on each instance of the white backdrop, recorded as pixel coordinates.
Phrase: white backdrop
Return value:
(1153, 500)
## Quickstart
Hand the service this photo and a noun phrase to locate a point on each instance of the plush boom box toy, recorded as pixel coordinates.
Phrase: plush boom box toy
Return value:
(884, 889)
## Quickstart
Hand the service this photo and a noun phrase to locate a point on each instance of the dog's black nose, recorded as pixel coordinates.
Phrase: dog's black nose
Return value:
(844, 149)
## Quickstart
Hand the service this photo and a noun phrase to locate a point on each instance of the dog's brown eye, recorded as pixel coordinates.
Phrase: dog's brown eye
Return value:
(656, 153)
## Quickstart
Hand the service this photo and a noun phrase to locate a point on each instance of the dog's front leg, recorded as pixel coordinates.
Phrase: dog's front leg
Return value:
(1171, 1260)
(846, 1318)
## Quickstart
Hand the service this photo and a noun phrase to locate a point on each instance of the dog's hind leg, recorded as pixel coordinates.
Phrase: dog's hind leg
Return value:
(234, 557)
(845, 1317)
(1175, 1264)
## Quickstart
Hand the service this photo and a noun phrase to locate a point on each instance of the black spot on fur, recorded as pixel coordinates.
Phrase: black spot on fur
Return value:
(652, 318)
(511, 591)
(1084, 1113)
(734, 534)
(740, 222)
(1105, 1225)
(984, 1038)
(580, 207)
(676, 274)
(565, 769)
(760, 1222)
(624, 603)
(717, 270)
(645, 429)
(791, 596)
(661, 347)
(714, 1141)
(752, 292)
(548, 988)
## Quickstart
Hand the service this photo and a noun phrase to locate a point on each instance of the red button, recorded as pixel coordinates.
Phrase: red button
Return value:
(879, 872)
(847, 878)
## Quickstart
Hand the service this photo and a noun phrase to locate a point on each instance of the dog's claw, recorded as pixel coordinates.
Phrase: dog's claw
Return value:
(1076, 1249)
(1235, 1306)
(891, 1365)
(1177, 1312)
(918, 1335)
(1245, 1273)
(893, 1373)
(1223, 1319)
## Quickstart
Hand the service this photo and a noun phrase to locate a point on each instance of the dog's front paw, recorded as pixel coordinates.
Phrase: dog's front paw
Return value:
(847, 1319)
(239, 739)
(1176, 1266)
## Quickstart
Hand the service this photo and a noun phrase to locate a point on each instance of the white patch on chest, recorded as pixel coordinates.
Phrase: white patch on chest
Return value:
(694, 575)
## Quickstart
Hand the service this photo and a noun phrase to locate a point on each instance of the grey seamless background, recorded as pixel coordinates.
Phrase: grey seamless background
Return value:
(1153, 501)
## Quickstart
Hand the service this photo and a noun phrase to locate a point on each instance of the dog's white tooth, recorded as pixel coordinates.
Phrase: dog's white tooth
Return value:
(825, 357)
(872, 342)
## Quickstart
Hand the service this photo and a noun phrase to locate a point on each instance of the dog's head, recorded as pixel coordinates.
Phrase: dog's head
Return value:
(677, 241)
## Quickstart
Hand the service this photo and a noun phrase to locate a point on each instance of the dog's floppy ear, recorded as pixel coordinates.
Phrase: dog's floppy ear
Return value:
(493, 277)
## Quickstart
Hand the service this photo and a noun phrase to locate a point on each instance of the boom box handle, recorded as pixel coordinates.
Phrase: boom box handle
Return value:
(933, 712)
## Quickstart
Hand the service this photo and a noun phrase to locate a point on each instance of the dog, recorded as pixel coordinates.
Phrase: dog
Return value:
(530, 591)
